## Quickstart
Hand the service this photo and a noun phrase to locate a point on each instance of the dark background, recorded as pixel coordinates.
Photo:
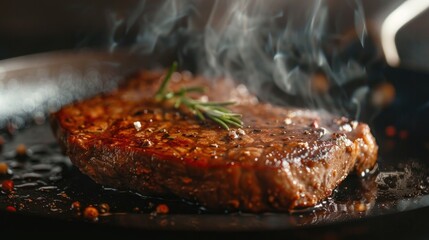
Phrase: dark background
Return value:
(38, 26)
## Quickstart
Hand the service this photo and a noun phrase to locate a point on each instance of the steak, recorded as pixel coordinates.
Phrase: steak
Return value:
(282, 158)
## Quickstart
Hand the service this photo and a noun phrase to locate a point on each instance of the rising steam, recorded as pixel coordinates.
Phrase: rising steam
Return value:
(287, 52)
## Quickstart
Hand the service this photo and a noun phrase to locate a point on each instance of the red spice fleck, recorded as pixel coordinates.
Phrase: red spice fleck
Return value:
(91, 213)
(390, 131)
(4, 169)
(186, 180)
(360, 207)
(162, 209)
(234, 203)
(7, 185)
(10, 209)
(21, 151)
(75, 205)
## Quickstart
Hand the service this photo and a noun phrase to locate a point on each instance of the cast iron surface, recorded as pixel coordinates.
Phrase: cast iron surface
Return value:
(393, 199)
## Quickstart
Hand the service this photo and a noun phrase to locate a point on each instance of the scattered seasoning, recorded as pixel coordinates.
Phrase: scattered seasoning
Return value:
(390, 131)
(163, 130)
(214, 145)
(4, 169)
(241, 131)
(162, 209)
(10, 209)
(349, 149)
(21, 151)
(91, 213)
(196, 149)
(315, 124)
(7, 186)
(186, 180)
(232, 134)
(76, 205)
(138, 125)
(167, 136)
(104, 208)
(346, 127)
(360, 207)
(204, 98)
(64, 195)
(147, 143)
(234, 203)
(354, 124)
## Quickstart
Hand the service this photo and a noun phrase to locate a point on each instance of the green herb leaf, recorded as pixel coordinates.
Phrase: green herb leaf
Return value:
(160, 94)
(216, 111)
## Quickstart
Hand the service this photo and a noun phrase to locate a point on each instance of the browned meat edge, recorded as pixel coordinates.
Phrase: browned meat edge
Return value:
(281, 159)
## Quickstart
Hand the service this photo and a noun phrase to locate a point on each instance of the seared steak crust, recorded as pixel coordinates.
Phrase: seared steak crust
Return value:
(281, 159)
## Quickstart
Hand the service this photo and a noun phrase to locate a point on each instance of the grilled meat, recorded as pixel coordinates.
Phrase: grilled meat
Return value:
(281, 159)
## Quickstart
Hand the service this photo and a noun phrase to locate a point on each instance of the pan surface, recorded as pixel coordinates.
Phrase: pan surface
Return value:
(393, 198)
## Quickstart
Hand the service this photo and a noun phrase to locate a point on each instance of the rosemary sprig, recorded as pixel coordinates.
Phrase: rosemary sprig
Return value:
(216, 111)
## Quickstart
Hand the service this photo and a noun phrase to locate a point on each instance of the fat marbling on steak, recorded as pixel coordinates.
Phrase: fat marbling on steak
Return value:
(282, 158)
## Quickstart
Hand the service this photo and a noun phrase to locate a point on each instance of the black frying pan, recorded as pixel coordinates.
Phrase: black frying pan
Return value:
(391, 201)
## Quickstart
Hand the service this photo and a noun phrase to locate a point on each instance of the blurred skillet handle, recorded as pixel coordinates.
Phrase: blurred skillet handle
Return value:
(404, 35)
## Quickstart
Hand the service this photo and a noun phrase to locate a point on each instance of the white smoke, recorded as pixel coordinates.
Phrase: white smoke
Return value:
(294, 52)
(276, 48)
